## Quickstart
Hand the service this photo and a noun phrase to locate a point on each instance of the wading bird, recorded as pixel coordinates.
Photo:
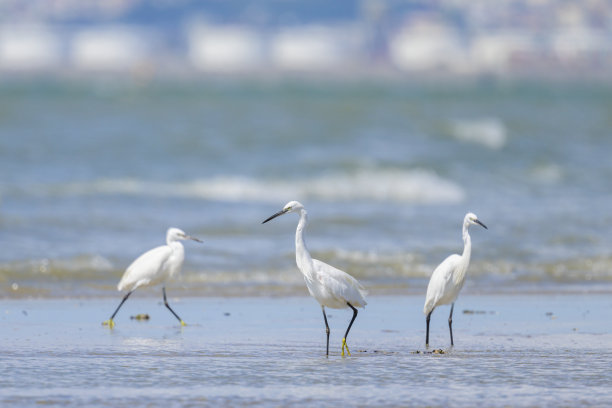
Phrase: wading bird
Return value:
(154, 266)
(331, 287)
(448, 278)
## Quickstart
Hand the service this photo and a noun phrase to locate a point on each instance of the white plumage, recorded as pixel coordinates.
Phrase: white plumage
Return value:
(330, 286)
(448, 278)
(155, 266)
(445, 283)
(333, 288)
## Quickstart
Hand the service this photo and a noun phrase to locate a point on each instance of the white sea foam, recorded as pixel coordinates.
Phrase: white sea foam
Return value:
(414, 186)
(77, 267)
(489, 132)
(547, 173)
(378, 272)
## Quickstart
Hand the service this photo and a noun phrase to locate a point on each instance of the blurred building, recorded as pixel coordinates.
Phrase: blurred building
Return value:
(426, 44)
(225, 48)
(110, 48)
(29, 47)
(317, 48)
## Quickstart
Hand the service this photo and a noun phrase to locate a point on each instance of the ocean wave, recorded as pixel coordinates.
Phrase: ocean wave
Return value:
(378, 272)
(489, 132)
(84, 267)
(362, 264)
(547, 173)
(414, 186)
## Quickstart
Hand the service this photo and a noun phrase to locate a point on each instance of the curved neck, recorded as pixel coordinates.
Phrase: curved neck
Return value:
(467, 244)
(302, 256)
(460, 272)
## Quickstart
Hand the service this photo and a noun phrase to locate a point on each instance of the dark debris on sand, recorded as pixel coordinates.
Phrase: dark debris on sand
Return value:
(434, 351)
(478, 312)
(377, 352)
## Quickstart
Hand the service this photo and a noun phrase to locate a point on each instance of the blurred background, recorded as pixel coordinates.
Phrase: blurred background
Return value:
(557, 38)
(388, 119)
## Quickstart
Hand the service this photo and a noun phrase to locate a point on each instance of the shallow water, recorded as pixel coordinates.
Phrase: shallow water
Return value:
(511, 350)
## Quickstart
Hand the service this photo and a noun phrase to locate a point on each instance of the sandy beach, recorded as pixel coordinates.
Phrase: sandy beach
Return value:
(510, 350)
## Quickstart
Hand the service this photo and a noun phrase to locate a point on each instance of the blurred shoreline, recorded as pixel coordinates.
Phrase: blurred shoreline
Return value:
(519, 39)
(55, 289)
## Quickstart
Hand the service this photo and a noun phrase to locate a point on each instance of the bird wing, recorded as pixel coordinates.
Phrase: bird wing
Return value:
(440, 283)
(145, 269)
(340, 284)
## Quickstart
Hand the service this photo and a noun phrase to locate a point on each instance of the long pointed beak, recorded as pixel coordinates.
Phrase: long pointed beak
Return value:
(193, 238)
(281, 212)
(480, 223)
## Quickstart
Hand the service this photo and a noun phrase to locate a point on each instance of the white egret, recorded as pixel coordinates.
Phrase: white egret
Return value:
(331, 287)
(154, 266)
(448, 278)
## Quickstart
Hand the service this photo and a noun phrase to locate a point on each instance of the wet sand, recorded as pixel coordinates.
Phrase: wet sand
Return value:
(510, 350)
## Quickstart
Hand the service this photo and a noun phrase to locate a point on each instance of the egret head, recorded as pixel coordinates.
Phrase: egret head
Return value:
(291, 206)
(175, 234)
(471, 219)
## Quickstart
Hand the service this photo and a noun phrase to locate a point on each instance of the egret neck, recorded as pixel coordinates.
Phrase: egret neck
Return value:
(302, 256)
(465, 257)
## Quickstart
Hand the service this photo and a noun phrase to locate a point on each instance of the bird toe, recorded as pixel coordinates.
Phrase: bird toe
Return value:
(110, 323)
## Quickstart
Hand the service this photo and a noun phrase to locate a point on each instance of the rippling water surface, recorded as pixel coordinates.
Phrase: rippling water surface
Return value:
(510, 350)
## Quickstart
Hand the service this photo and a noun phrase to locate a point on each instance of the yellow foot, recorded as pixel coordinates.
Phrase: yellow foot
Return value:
(343, 346)
(110, 323)
(183, 323)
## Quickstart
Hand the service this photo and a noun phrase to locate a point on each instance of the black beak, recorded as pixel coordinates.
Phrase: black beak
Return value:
(480, 223)
(281, 212)
(191, 238)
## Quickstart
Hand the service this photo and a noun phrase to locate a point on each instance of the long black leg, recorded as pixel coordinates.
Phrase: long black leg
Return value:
(348, 329)
(450, 323)
(127, 295)
(170, 309)
(352, 320)
(110, 322)
(326, 330)
(427, 331)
